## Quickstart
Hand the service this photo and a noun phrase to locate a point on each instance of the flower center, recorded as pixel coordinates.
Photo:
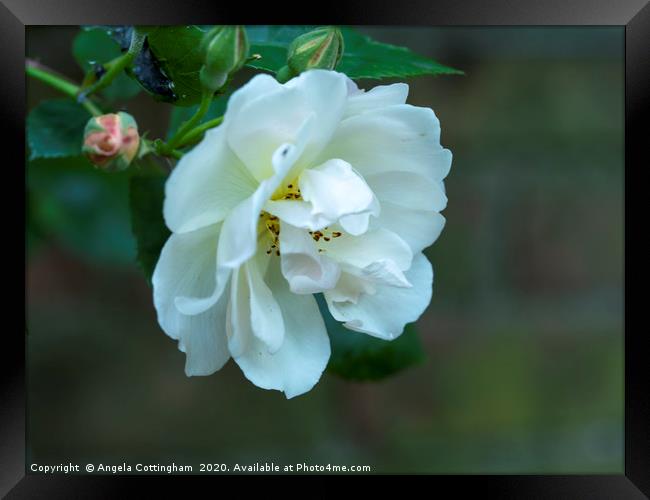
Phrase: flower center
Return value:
(270, 226)
(290, 191)
(324, 234)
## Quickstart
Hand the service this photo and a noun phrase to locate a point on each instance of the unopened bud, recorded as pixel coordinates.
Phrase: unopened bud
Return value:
(226, 50)
(111, 141)
(321, 48)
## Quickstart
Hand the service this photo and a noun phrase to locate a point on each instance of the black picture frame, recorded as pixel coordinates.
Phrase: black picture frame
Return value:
(634, 15)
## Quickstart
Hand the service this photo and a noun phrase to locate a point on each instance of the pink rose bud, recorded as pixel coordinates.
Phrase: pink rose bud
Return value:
(111, 141)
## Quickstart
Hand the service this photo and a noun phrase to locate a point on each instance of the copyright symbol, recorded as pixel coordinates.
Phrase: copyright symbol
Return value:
(90, 467)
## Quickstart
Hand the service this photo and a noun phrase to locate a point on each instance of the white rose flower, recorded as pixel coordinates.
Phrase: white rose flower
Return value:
(306, 187)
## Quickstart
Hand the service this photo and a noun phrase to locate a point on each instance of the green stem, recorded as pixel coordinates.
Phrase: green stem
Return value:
(198, 131)
(65, 86)
(161, 149)
(117, 65)
(175, 153)
(59, 83)
(166, 149)
(178, 137)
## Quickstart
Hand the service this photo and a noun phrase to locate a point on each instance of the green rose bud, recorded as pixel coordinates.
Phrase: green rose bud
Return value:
(321, 48)
(111, 141)
(226, 50)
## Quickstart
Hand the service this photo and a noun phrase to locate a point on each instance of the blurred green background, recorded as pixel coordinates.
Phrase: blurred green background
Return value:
(524, 334)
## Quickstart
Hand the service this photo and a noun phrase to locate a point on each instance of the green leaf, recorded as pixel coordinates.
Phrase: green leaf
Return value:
(146, 193)
(176, 49)
(173, 60)
(366, 58)
(92, 46)
(55, 129)
(80, 207)
(169, 62)
(362, 56)
(357, 356)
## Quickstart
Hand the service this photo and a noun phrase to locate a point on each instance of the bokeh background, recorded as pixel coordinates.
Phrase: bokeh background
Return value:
(524, 335)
